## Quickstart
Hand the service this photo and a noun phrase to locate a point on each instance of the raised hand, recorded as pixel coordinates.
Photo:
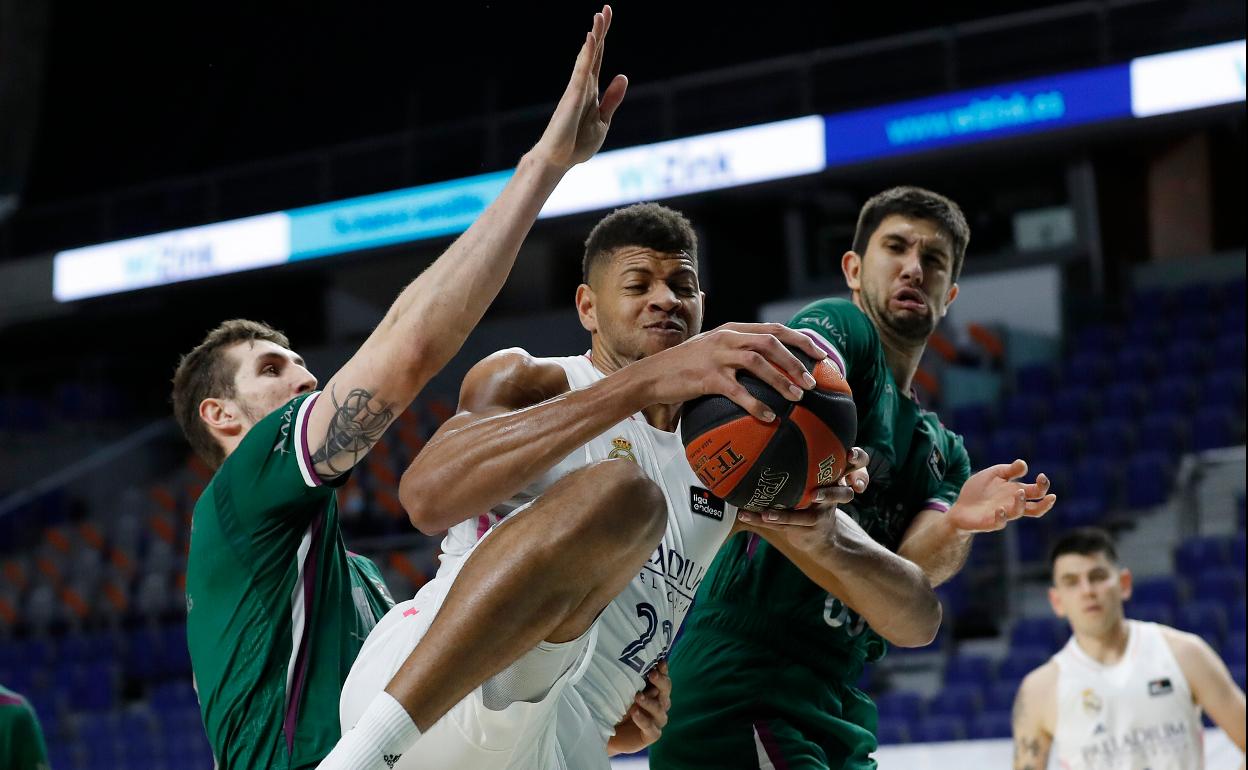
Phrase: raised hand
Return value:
(994, 497)
(580, 122)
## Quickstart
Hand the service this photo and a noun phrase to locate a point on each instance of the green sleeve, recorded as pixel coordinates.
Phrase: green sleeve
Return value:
(270, 476)
(956, 474)
(844, 331)
(26, 748)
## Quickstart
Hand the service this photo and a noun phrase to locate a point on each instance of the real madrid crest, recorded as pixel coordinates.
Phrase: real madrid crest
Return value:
(1091, 701)
(621, 447)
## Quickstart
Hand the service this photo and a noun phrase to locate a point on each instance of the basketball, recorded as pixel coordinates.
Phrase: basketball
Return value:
(757, 465)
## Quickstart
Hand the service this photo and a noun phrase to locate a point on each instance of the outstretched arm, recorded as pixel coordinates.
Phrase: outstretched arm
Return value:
(433, 316)
(939, 541)
(889, 592)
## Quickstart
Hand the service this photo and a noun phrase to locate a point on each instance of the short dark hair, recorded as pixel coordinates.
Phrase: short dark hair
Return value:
(648, 225)
(915, 203)
(207, 372)
(1085, 541)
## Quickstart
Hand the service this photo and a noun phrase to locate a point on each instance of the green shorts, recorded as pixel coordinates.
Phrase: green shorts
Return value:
(738, 705)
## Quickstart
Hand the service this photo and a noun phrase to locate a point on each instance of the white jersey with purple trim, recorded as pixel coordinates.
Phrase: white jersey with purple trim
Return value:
(1137, 714)
(636, 630)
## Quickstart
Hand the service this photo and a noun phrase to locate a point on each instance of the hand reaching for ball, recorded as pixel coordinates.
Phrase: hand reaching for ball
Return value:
(827, 499)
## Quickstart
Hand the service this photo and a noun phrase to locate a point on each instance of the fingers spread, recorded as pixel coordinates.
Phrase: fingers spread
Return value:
(1037, 508)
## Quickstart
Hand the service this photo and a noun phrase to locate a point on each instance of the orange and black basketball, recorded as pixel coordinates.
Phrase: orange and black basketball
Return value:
(757, 465)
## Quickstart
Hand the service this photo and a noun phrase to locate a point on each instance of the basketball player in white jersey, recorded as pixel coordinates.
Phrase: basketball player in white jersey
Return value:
(579, 533)
(1122, 694)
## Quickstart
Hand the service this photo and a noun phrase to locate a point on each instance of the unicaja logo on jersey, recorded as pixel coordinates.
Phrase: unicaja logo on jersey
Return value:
(769, 485)
(621, 447)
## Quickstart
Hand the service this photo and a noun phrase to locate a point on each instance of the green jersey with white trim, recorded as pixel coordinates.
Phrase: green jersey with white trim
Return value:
(21, 740)
(915, 463)
(277, 608)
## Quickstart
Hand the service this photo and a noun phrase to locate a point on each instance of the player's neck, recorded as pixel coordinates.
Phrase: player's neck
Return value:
(902, 355)
(1106, 648)
(661, 416)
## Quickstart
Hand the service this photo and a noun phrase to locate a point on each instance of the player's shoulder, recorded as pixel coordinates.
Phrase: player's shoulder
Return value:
(839, 321)
(827, 307)
(1183, 644)
(515, 377)
(1040, 681)
(272, 433)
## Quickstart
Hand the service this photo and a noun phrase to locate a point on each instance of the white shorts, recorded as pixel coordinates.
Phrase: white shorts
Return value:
(555, 732)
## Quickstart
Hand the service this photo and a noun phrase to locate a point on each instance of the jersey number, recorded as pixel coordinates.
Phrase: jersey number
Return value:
(837, 615)
(631, 655)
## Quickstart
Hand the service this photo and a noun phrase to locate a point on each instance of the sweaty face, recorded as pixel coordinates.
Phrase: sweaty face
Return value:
(268, 376)
(906, 279)
(645, 301)
(1089, 591)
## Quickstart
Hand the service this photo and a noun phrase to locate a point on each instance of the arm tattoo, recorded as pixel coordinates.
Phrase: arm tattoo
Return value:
(353, 430)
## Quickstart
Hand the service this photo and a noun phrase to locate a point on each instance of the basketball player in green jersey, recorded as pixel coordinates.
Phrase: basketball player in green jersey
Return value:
(277, 607)
(763, 676)
(21, 740)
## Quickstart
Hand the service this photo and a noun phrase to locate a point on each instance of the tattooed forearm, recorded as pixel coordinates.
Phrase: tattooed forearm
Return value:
(354, 428)
(1027, 753)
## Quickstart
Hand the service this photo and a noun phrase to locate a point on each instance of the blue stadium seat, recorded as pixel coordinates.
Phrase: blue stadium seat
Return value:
(1008, 444)
(1196, 326)
(1125, 400)
(1056, 442)
(899, 705)
(1238, 674)
(1166, 430)
(1110, 437)
(1070, 513)
(1229, 349)
(1048, 634)
(961, 700)
(940, 728)
(1024, 409)
(1213, 427)
(991, 724)
(1148, 479)
(1096, 477)
(1076, 401)
(1138, 363)
(1233, 648)
(968, 669)
(1196, 554)
(1205, 618)
(1223, 388)
(1156, 590)
(1000, 696)
(1175, 395)
(1096, 338)
(1033, 539)
(1034, 380)
(1152, 613)
(1088, 369)
(893, 732)
(1190, 358)
(1221, 584)
(1237, 551)
(972, 418)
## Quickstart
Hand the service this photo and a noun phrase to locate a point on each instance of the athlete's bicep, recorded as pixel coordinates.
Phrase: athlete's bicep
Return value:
(1032, 741)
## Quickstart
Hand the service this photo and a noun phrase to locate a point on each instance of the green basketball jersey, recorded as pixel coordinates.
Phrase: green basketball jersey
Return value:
(21, 740)
(915, 463)
(277, 609)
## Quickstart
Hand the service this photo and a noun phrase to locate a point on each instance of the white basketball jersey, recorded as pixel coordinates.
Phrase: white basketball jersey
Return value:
(1137, 714)
(636, 630)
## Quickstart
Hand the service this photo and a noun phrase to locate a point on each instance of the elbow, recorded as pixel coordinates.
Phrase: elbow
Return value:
(416, 501)
(923, 623)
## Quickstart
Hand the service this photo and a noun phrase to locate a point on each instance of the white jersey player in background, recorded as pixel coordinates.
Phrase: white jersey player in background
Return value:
(1122, 694)
(578, 532)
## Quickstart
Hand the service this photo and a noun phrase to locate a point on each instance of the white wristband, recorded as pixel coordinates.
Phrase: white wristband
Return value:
(383, 732)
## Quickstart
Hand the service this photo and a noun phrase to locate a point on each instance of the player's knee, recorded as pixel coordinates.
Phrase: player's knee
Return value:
(625, 504)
